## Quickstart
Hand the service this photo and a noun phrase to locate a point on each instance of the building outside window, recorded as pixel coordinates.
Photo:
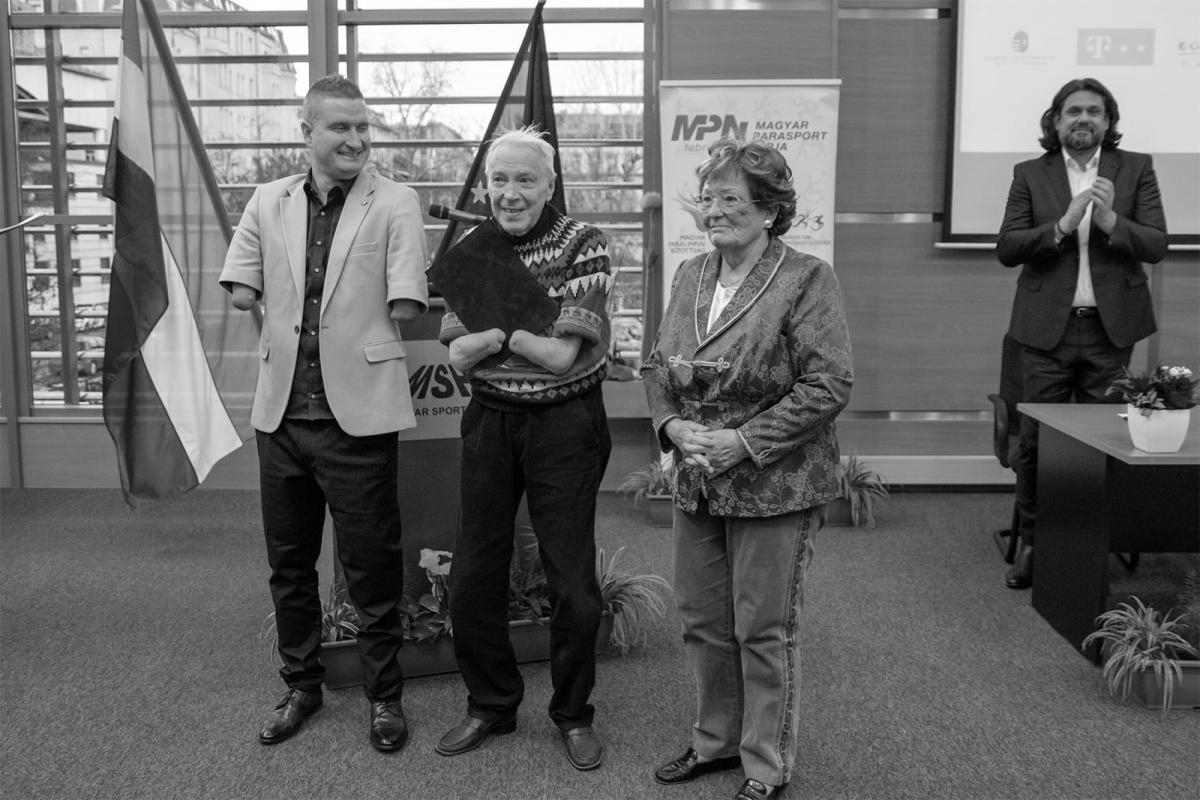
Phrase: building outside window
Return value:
(431, 88)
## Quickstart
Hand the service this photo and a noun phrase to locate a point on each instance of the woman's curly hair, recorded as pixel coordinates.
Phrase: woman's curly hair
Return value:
(766, 171)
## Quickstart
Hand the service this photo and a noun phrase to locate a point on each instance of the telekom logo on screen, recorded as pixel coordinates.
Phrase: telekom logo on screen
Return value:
(1116, 46)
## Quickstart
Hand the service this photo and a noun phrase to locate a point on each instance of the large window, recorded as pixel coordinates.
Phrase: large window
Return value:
(431, 75)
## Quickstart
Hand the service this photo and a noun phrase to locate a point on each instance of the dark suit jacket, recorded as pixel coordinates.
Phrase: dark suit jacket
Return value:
(1039, 196)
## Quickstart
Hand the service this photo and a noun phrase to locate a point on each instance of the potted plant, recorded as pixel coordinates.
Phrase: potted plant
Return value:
(861, 487)
(339, 629)
(653, 484)
(1158, 406)
(429, 617)
(527, 596)
(1187, 694)
(423, 621)
(628, 600)
(1144, 652)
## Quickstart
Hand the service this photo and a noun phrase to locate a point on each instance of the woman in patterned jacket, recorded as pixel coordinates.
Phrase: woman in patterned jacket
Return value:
(750, 368)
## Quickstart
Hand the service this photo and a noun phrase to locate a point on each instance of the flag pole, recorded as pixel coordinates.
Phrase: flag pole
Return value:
(28, 220)
(522, 54)
(192, 130)
(186, 119)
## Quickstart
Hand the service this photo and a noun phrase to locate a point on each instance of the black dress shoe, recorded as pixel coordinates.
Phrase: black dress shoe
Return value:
(288, 715)
(689, 767)
(584, 749)
(389, 729)
(1020, 575)
(471, 732)
(753, 790)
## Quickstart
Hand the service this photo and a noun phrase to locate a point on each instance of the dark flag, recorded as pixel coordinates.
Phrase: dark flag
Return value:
(179, 364)
(526, 100)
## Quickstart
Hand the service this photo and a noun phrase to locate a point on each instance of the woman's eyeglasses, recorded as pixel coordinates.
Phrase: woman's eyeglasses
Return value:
(725, 203)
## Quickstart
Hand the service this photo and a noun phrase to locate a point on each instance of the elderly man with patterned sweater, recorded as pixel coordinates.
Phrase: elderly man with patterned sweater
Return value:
(535, 426)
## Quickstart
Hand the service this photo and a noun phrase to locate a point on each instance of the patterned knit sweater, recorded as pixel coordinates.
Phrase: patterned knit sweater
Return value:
(570, 261)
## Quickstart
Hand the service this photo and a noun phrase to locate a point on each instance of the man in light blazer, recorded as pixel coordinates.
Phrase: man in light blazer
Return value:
(1080, 222)
(337, 257)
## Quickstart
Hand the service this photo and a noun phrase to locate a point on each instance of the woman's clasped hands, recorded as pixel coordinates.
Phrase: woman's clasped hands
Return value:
(713, 450)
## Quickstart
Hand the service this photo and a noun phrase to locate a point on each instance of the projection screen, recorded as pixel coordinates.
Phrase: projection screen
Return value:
(1013, 55)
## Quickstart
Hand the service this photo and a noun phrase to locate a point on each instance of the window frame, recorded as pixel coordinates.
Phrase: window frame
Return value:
(326, 28)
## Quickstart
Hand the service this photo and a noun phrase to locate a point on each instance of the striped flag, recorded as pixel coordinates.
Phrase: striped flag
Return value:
(179, 363)
(525, 100)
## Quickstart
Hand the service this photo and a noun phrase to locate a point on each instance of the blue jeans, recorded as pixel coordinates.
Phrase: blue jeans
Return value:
(555, 456)
(739, 585)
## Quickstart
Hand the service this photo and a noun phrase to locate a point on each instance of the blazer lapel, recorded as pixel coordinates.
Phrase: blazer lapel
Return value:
(1056, 170)
(1110, 164)
(706, 287)
(747, 293)
(358, 203)
(293, 210)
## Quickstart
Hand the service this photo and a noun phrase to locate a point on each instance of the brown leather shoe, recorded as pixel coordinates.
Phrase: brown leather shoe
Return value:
(471, 732)
(689, 767)
(289, 715)
(389, 729)
(754, 790)
(584, 749)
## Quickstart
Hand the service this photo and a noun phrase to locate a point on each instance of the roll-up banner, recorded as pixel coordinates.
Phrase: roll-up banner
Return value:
(796, 117)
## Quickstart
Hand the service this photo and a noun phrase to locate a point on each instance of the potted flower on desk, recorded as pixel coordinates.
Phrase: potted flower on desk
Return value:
(1158, 406)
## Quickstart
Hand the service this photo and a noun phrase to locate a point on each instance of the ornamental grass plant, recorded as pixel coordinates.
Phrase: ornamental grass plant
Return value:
(862, 486)
(1136, 638)
(651, 480)
(631, 599)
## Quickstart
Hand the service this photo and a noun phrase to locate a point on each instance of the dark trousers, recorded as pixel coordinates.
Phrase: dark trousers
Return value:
(555, 456)
(1079, 369)
(304, 466)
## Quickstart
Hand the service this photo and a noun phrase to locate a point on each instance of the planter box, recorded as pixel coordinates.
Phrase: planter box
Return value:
(659, 506)
(531, 642)
(1187, 691)
(837, 513)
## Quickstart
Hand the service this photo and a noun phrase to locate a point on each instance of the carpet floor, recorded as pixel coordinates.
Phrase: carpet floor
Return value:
(132, 666)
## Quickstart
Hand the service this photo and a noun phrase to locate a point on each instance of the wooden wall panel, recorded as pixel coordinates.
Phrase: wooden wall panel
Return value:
(894, 115)
(910, 437)
(75, 454)
(1177, 288)
(79, 454)
(925, 324)
(792, 40)
(6, 479)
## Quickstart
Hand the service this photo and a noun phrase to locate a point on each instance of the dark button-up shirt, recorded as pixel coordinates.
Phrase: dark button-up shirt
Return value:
(307, 399)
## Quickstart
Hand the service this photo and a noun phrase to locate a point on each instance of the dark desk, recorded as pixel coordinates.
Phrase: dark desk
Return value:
(1097, 495)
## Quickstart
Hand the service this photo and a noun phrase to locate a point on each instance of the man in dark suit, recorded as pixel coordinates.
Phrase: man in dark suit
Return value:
(337, 257)
(1080, 221)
